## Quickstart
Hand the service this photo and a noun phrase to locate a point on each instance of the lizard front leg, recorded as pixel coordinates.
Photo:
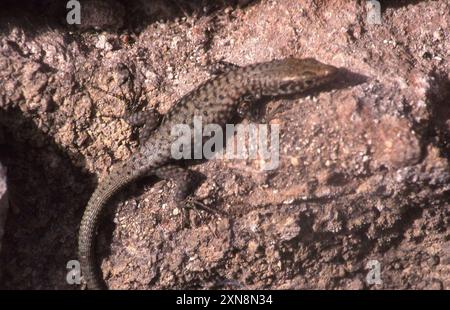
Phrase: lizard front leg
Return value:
(147, 119)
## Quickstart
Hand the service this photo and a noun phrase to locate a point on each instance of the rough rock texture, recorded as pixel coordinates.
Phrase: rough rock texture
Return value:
(364, 165)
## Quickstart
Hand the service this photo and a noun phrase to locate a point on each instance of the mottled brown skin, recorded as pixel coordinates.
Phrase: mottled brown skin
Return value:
(216, 101)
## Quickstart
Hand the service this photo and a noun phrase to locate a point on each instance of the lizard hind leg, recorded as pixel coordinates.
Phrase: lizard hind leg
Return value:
(185, 183)
(184, 186)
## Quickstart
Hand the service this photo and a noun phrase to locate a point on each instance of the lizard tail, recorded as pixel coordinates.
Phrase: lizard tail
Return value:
(86, 239)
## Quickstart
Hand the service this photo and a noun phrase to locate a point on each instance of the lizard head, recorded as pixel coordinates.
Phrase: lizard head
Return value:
(291, 75)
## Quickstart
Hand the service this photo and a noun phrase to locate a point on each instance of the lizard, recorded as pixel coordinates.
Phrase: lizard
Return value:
(216, 101)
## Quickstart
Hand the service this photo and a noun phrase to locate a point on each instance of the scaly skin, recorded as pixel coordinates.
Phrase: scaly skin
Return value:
(216, 101)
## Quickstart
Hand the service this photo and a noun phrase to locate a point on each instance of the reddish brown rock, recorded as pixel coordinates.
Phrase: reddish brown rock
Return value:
(364, 164)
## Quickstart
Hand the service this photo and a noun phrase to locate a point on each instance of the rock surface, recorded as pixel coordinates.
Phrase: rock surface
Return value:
(364, 165)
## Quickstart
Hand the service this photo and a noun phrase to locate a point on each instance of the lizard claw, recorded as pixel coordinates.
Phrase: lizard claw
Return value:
(192, 203)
